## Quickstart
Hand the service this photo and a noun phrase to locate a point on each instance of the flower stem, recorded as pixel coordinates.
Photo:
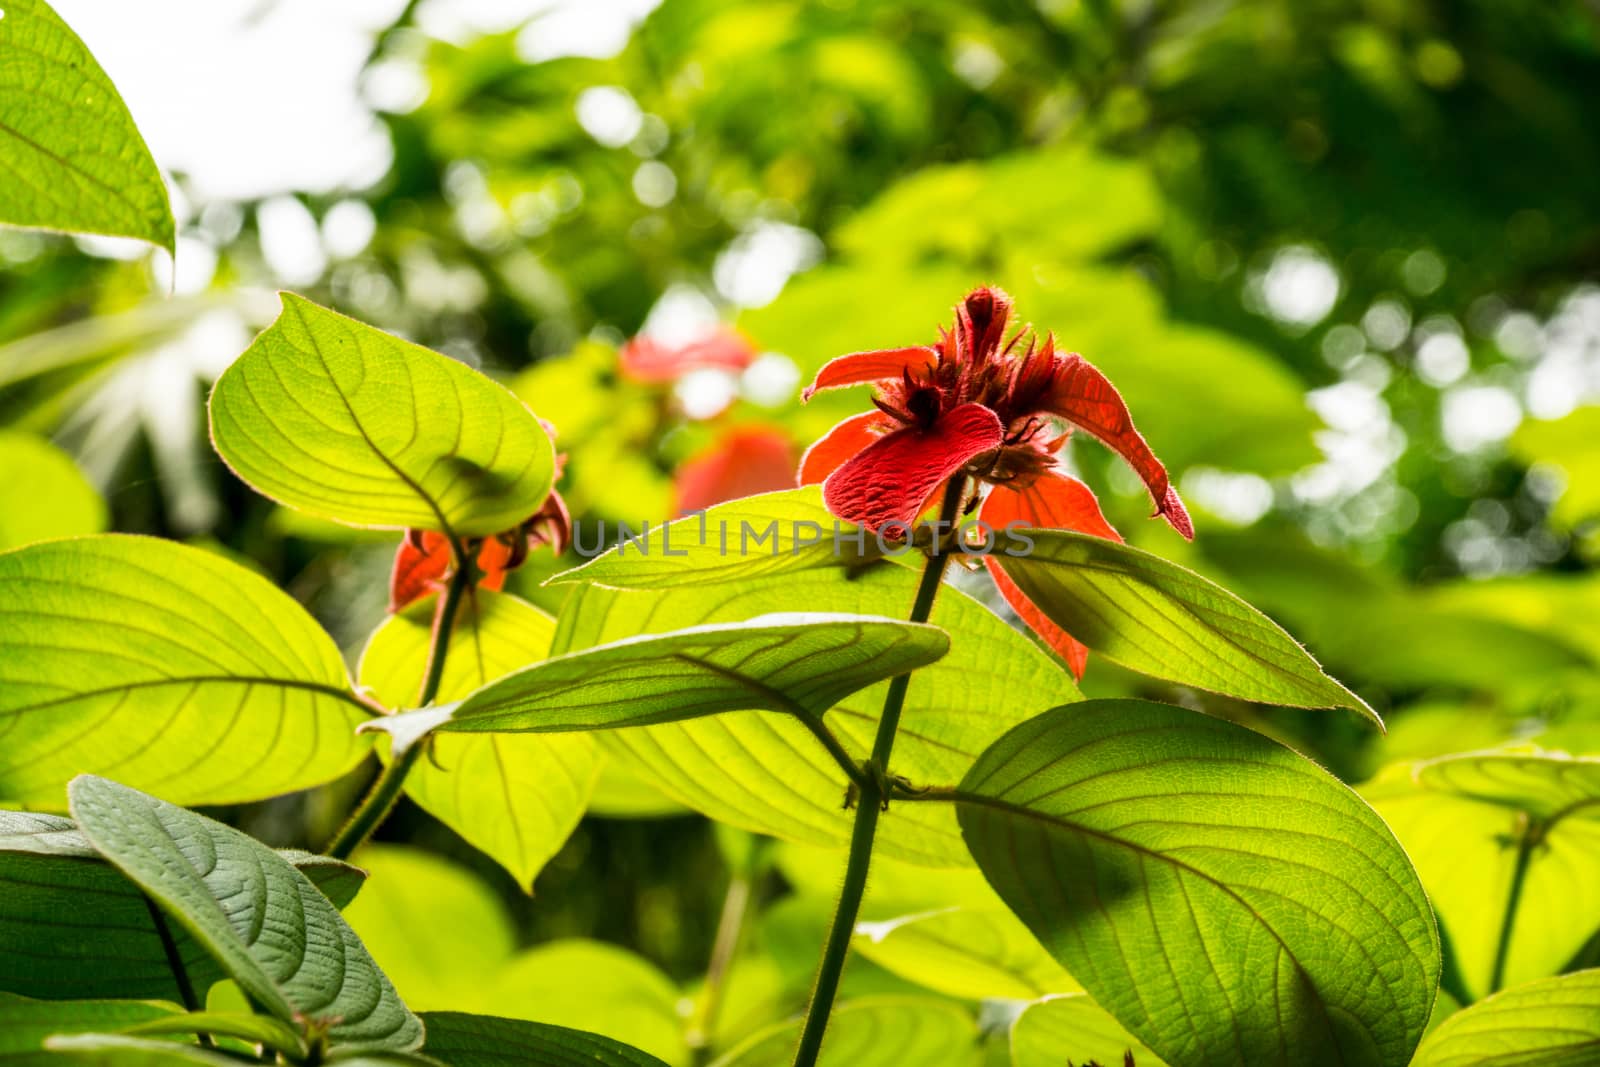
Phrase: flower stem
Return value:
(385, 789)
(1528, 837)
(873, 794)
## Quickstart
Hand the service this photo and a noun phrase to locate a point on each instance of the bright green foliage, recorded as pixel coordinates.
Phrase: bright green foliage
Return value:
(873, 1032)
(1572, 444)
(1554, 1022)
(970, 952)
(185, 673)
(1073, 1029)
(333, 417)
(1158, 618)
(43, 494)
(754, 537)
(74, 927)
(25, 1023)
(1472, 814)
(763, 773)
(264, 922)
(485, 1041)
(517, 797)
(795, 663)
(1228, 901)
(72, 156)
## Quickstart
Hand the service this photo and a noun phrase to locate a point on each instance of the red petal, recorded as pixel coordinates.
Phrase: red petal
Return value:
(494, 560)
(839, 444)
(551, 524)
(644, 359)
(881, 366)
(419, 566)
(1053, 502)
(1085, 397)
(888, 481)
(1065, 645)
(746, 461)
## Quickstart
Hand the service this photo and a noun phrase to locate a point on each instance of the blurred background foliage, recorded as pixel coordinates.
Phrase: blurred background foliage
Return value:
(1342, 258)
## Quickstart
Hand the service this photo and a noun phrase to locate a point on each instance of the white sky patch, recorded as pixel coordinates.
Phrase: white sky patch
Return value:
(654, 184)
(680, 315)
(1442, 359)
(609, 115)
(1236, 498)
(595, 28)
(347, 228)
(1298, 288)
(755, 267)
(1387, 323)
(1476, 416)
(290, 241)
(771, 381)
(706, 393)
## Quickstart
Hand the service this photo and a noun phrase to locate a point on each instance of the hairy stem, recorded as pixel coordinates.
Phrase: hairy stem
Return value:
(385, 789)
(1528, 837)
(873, 794)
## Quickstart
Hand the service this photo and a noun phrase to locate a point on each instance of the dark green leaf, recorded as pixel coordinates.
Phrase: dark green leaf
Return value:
(333, 417)
(25, 1023)
(1228, 901)
(261, 919)
(185, 672)
(485, 1041)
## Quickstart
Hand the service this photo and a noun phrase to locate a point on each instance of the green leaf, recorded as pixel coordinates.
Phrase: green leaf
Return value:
(485, 1041)
(1553, 1022)
(1228, 901)
(1160, 619)
(44, 494)
(1073, 1029)
(516, 797)
(75, 927)
(1571, 443)
(333, 417)
(1468, 815)
(801, 664)
(254, 1029)
(873, 1032)
(752, 537)
(434, 928)
(117, 1050)
(185, 673)
(261, 919)
(25, 1023)
(73, 158)
(973, 953)
(764, 773)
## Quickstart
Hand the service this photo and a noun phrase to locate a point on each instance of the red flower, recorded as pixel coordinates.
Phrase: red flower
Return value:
(423, 562)
(645, 359)
(977, 404)
(746, 460)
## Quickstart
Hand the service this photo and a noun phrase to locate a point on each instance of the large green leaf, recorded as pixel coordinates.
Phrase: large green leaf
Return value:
(1228, 901)
(25, 1023)
(1073, 1029)
(1573, 444)
(515, 796)
(795, 663)
(72, 157)
(752, 537)
(764, 773)
(44, 494)
(1464, 819)
(260, 918)
(1554, 1022)
(972, 952)
(331, 416)
(1160, 619)
(118, 1050)
(486, 1041)
(873, 1032)
(184, 673)
(75, 927)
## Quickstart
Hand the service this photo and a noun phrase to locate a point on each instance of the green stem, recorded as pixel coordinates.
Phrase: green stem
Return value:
(873, 794)
(724, 950)
(1532, 830)
(180, 974)
(385, 790)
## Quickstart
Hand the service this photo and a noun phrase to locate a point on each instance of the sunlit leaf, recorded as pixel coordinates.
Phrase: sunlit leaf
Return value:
(118, 1050)
(1463, 820)
(73, 158)
(485, 1041)
(873, 1032)
(182, 672)
(334, 417)
(43, 494)
(1572, 444)
(258, 917)
(1228, 901)
(975, 953)
(794, 663)
(764, 773)
(1553, 1022)
(25, 1023)
(239, 1025)
(1160, 619)
(517, 797)
(1073, 1029)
